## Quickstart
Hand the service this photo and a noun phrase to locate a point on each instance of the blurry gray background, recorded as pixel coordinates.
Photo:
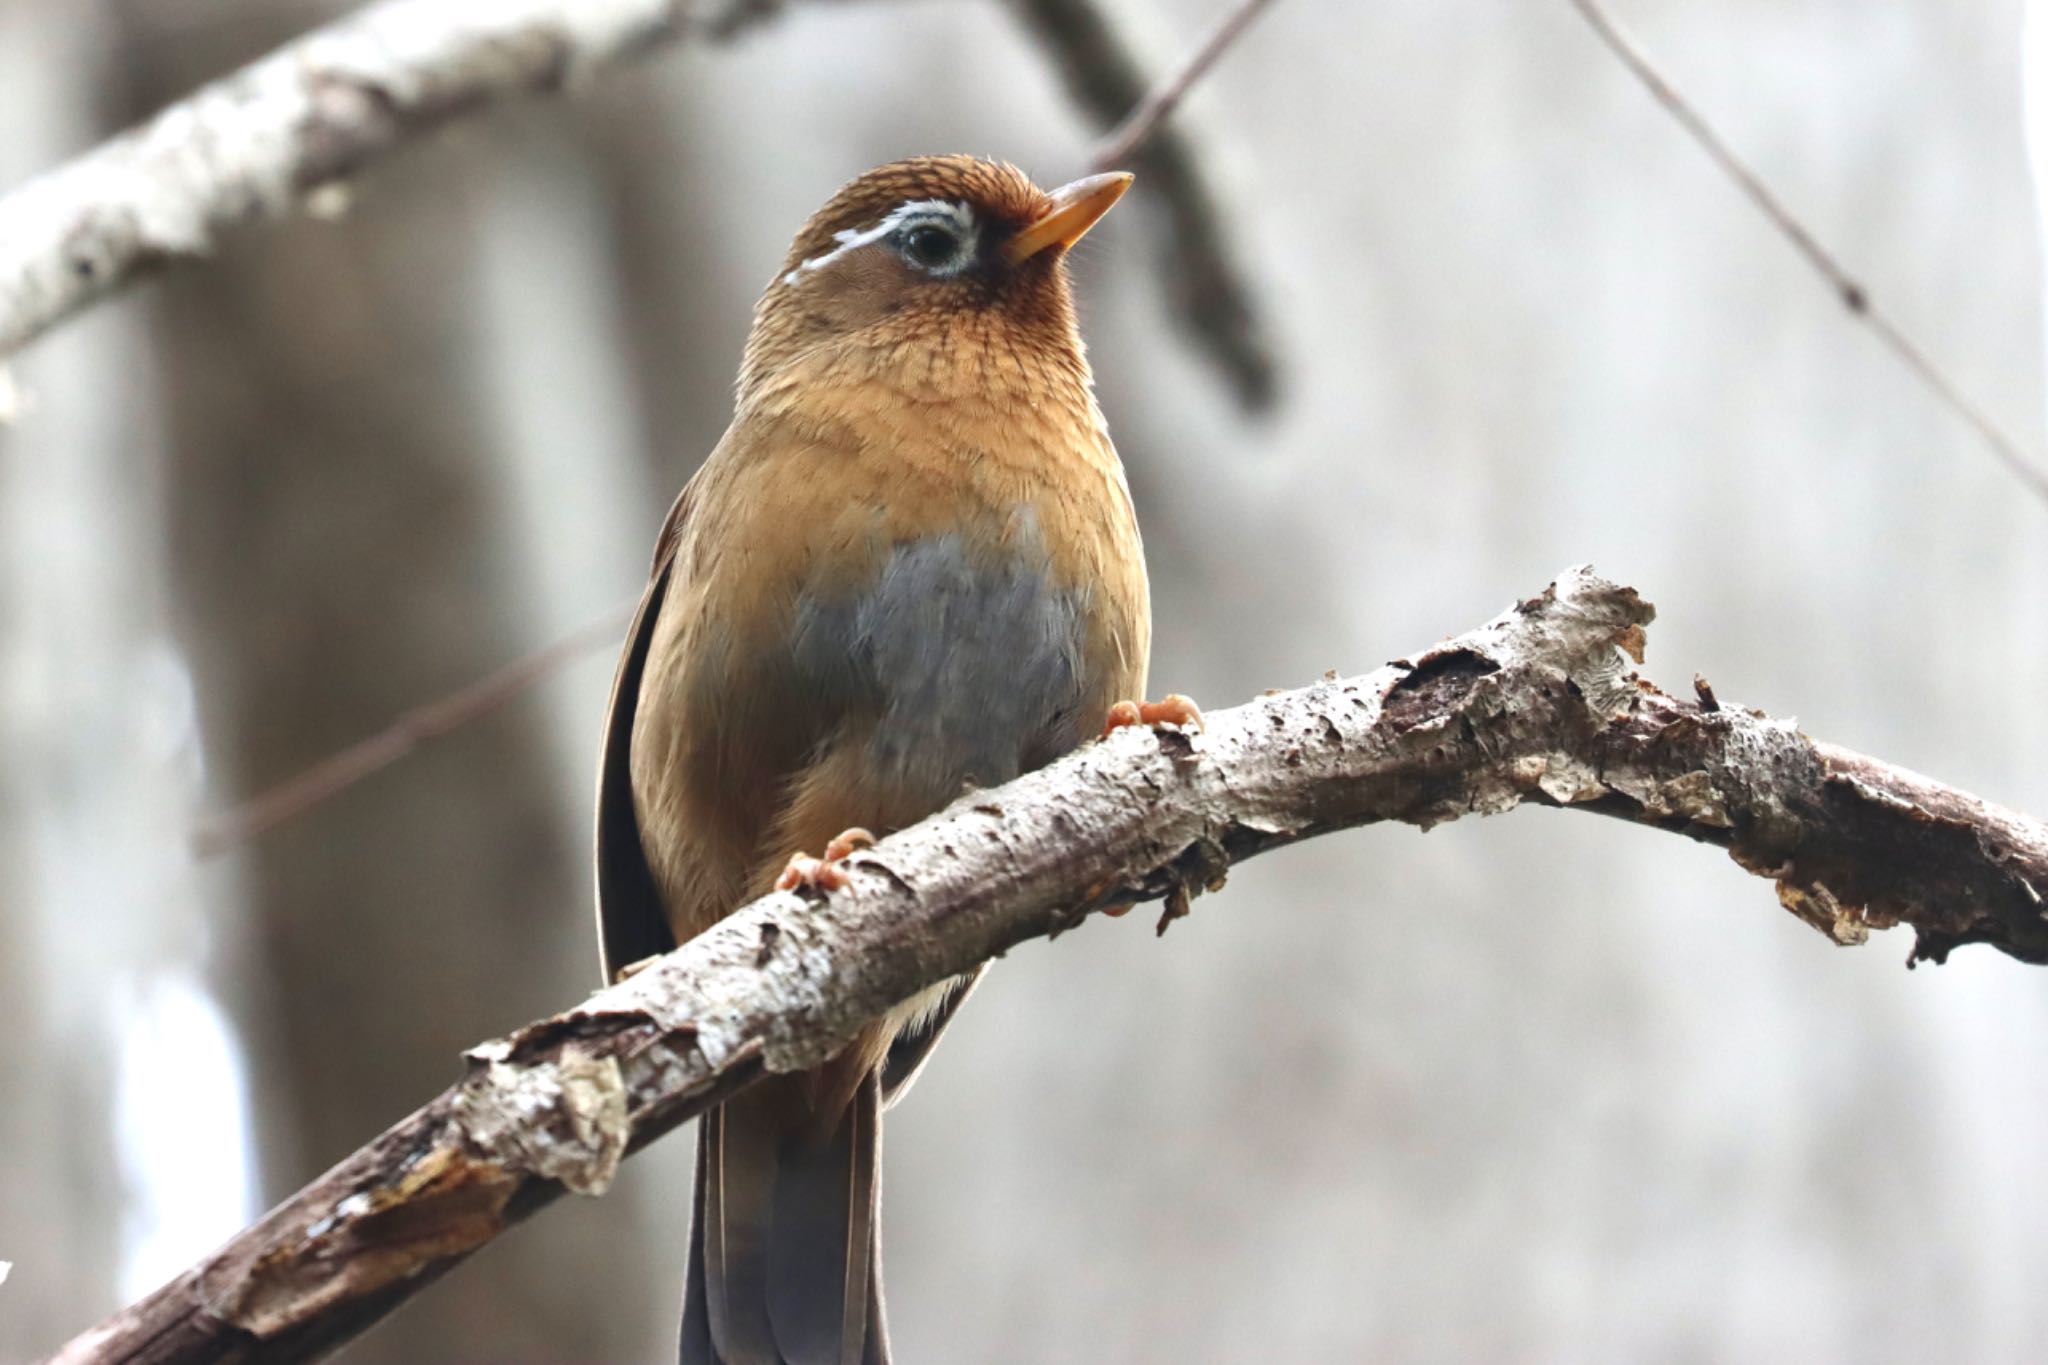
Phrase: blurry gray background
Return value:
(1542, 1088)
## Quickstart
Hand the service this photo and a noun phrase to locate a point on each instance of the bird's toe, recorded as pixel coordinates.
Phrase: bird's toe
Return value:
(1172, 709)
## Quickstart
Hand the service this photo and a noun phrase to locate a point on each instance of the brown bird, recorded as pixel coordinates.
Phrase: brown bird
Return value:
(910, 568)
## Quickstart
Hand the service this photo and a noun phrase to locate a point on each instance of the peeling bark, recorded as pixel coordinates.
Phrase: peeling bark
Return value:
(1542, 705)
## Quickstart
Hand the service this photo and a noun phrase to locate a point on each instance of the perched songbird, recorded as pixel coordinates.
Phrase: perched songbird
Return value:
(910, 568)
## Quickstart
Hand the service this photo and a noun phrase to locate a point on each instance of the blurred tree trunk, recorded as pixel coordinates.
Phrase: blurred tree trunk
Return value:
(341, 552)
(683, 308)
(69, 775)
(60, 1195)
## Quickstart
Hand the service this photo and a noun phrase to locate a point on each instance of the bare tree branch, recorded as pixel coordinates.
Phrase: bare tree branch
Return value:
(1854, 296)
(1538, 706)
(1203, 277)
(255, 144)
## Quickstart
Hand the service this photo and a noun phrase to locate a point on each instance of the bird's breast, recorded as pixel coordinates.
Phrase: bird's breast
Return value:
(956, 664)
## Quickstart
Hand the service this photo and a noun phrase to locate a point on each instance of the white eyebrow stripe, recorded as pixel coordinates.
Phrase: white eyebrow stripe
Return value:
(851, 240)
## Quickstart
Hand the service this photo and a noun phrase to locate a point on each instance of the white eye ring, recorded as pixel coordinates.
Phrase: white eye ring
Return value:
(955, 219)
(934, 246)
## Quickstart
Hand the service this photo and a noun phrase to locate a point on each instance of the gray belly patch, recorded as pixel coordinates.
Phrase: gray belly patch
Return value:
(970, 665)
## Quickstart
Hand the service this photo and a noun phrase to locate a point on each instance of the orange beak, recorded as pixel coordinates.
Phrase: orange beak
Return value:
(1076, 207)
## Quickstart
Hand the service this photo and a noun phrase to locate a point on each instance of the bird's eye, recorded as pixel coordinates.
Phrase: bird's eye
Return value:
(931, 246)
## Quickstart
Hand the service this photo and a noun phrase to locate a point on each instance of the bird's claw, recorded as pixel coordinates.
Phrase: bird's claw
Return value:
(1172, 709)
(827, 872)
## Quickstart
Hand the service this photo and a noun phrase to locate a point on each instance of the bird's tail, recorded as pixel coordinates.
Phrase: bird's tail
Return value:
(785, 1244)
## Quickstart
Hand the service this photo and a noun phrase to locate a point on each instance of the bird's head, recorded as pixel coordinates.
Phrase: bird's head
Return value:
(922, 268)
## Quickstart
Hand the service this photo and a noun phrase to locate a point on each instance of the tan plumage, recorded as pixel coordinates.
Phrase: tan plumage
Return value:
(911, 566)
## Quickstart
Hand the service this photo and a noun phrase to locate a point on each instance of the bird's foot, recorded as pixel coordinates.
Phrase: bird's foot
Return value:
(1172, 709)
(823, 873)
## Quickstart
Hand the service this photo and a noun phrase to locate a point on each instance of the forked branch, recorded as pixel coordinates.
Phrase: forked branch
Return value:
(1542, 705)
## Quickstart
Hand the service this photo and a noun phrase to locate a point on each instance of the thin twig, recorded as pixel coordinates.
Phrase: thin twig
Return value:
(1199, 267)
(1137, 129)
(1854, 295)
(337, 772)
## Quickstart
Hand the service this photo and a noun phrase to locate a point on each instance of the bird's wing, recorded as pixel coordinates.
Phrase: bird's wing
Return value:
(912, 1046)
(632, 924)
